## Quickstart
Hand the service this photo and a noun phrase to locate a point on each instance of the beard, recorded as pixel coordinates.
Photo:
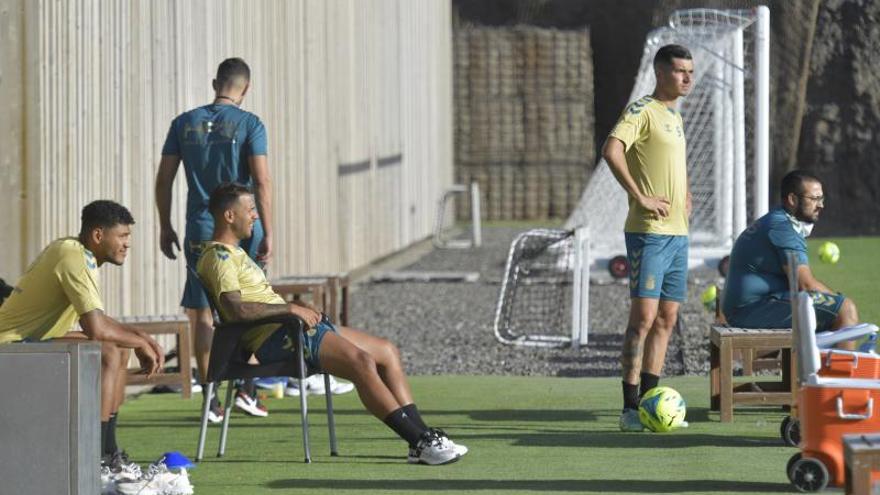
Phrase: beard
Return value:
(801, 214)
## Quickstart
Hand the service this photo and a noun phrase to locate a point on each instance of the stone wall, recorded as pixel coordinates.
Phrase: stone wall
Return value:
(841, 130)
(523, 119)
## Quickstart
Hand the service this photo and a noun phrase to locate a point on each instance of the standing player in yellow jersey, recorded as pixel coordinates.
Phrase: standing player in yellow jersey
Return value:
(646, 154)
(60, 288)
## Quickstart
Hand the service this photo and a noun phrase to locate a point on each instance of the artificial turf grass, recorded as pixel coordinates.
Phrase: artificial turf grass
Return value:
(856, 274)
(526, 435)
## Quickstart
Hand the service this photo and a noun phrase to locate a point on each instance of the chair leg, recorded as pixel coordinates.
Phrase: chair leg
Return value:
(303, 403)
(226, 415)
(331, 423)
(206, 406)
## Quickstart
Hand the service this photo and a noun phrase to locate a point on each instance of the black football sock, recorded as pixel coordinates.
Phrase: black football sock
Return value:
(110, 446)
(405, 428)
(412, 412)
(649, 381)
(630, 396)
(104, 454)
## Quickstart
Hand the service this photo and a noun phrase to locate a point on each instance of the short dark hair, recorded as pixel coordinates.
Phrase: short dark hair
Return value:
(232, 69)
(225, 196)
(668, 52)
(793, 183)
(105, 214)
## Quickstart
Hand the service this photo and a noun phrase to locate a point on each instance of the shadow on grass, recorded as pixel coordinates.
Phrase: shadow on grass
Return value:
(621, 486)
(537, 415)
(616, 439)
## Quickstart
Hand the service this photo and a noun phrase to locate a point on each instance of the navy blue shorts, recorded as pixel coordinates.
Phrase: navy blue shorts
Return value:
(774, 311)
(658, 266)
(280, 346)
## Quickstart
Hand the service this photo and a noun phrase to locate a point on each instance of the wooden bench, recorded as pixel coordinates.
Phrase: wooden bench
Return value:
(724, 342)
(178, 326)
(328, 292)
(861, 454)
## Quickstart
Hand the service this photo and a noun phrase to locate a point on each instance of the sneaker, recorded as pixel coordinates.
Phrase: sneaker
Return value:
(120, 467)
(140, 487)
(215, 415)
(315, 385)
(433, 450)
(158, 480)
(250, 405)
(215, 411)
(460, 450)
(108, 481)
(629, 421)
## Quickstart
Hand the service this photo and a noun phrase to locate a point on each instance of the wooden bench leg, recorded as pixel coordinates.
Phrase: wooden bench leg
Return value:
(726, 380)
(714, 378)
(748, 361)
(861, 478)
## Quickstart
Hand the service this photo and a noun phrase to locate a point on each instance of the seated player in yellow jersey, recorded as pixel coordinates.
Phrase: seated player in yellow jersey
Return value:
(61, 287)
(241, 292)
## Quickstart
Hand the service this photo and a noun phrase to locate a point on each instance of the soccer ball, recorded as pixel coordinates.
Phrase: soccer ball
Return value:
(662, 409)
(829, 252)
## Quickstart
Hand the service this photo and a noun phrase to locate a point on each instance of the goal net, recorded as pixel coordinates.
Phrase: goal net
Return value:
(725, 118)
(545, 285)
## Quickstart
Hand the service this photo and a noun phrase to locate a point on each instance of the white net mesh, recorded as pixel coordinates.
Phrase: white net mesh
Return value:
(718, 125)
(534, 305)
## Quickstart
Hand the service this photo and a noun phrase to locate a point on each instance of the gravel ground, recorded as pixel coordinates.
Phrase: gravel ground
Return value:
(447, 328)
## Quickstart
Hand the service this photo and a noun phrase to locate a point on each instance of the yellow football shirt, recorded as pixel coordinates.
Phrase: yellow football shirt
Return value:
(653, 135)
(58, 287)
(224, 268)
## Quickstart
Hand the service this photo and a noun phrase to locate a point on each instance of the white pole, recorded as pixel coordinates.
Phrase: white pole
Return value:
(762, 111)
(723, 164)
(739, 134)
(585, 288)
(476, 227)
(580, 294)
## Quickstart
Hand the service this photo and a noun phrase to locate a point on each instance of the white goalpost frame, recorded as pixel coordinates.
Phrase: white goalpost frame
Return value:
(739, 133)
(579, 262)
(476, 239)
(580, 303)
(762, 112)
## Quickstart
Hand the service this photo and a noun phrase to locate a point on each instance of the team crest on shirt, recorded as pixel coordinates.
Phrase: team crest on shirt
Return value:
(90, 260)
(222, 253)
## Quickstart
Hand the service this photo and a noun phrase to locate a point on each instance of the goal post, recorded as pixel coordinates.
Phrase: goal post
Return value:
(544, 297)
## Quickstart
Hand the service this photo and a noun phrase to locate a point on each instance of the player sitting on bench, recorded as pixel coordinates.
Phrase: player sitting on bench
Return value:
(756, 293)
(242, 293)
(61, 287)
